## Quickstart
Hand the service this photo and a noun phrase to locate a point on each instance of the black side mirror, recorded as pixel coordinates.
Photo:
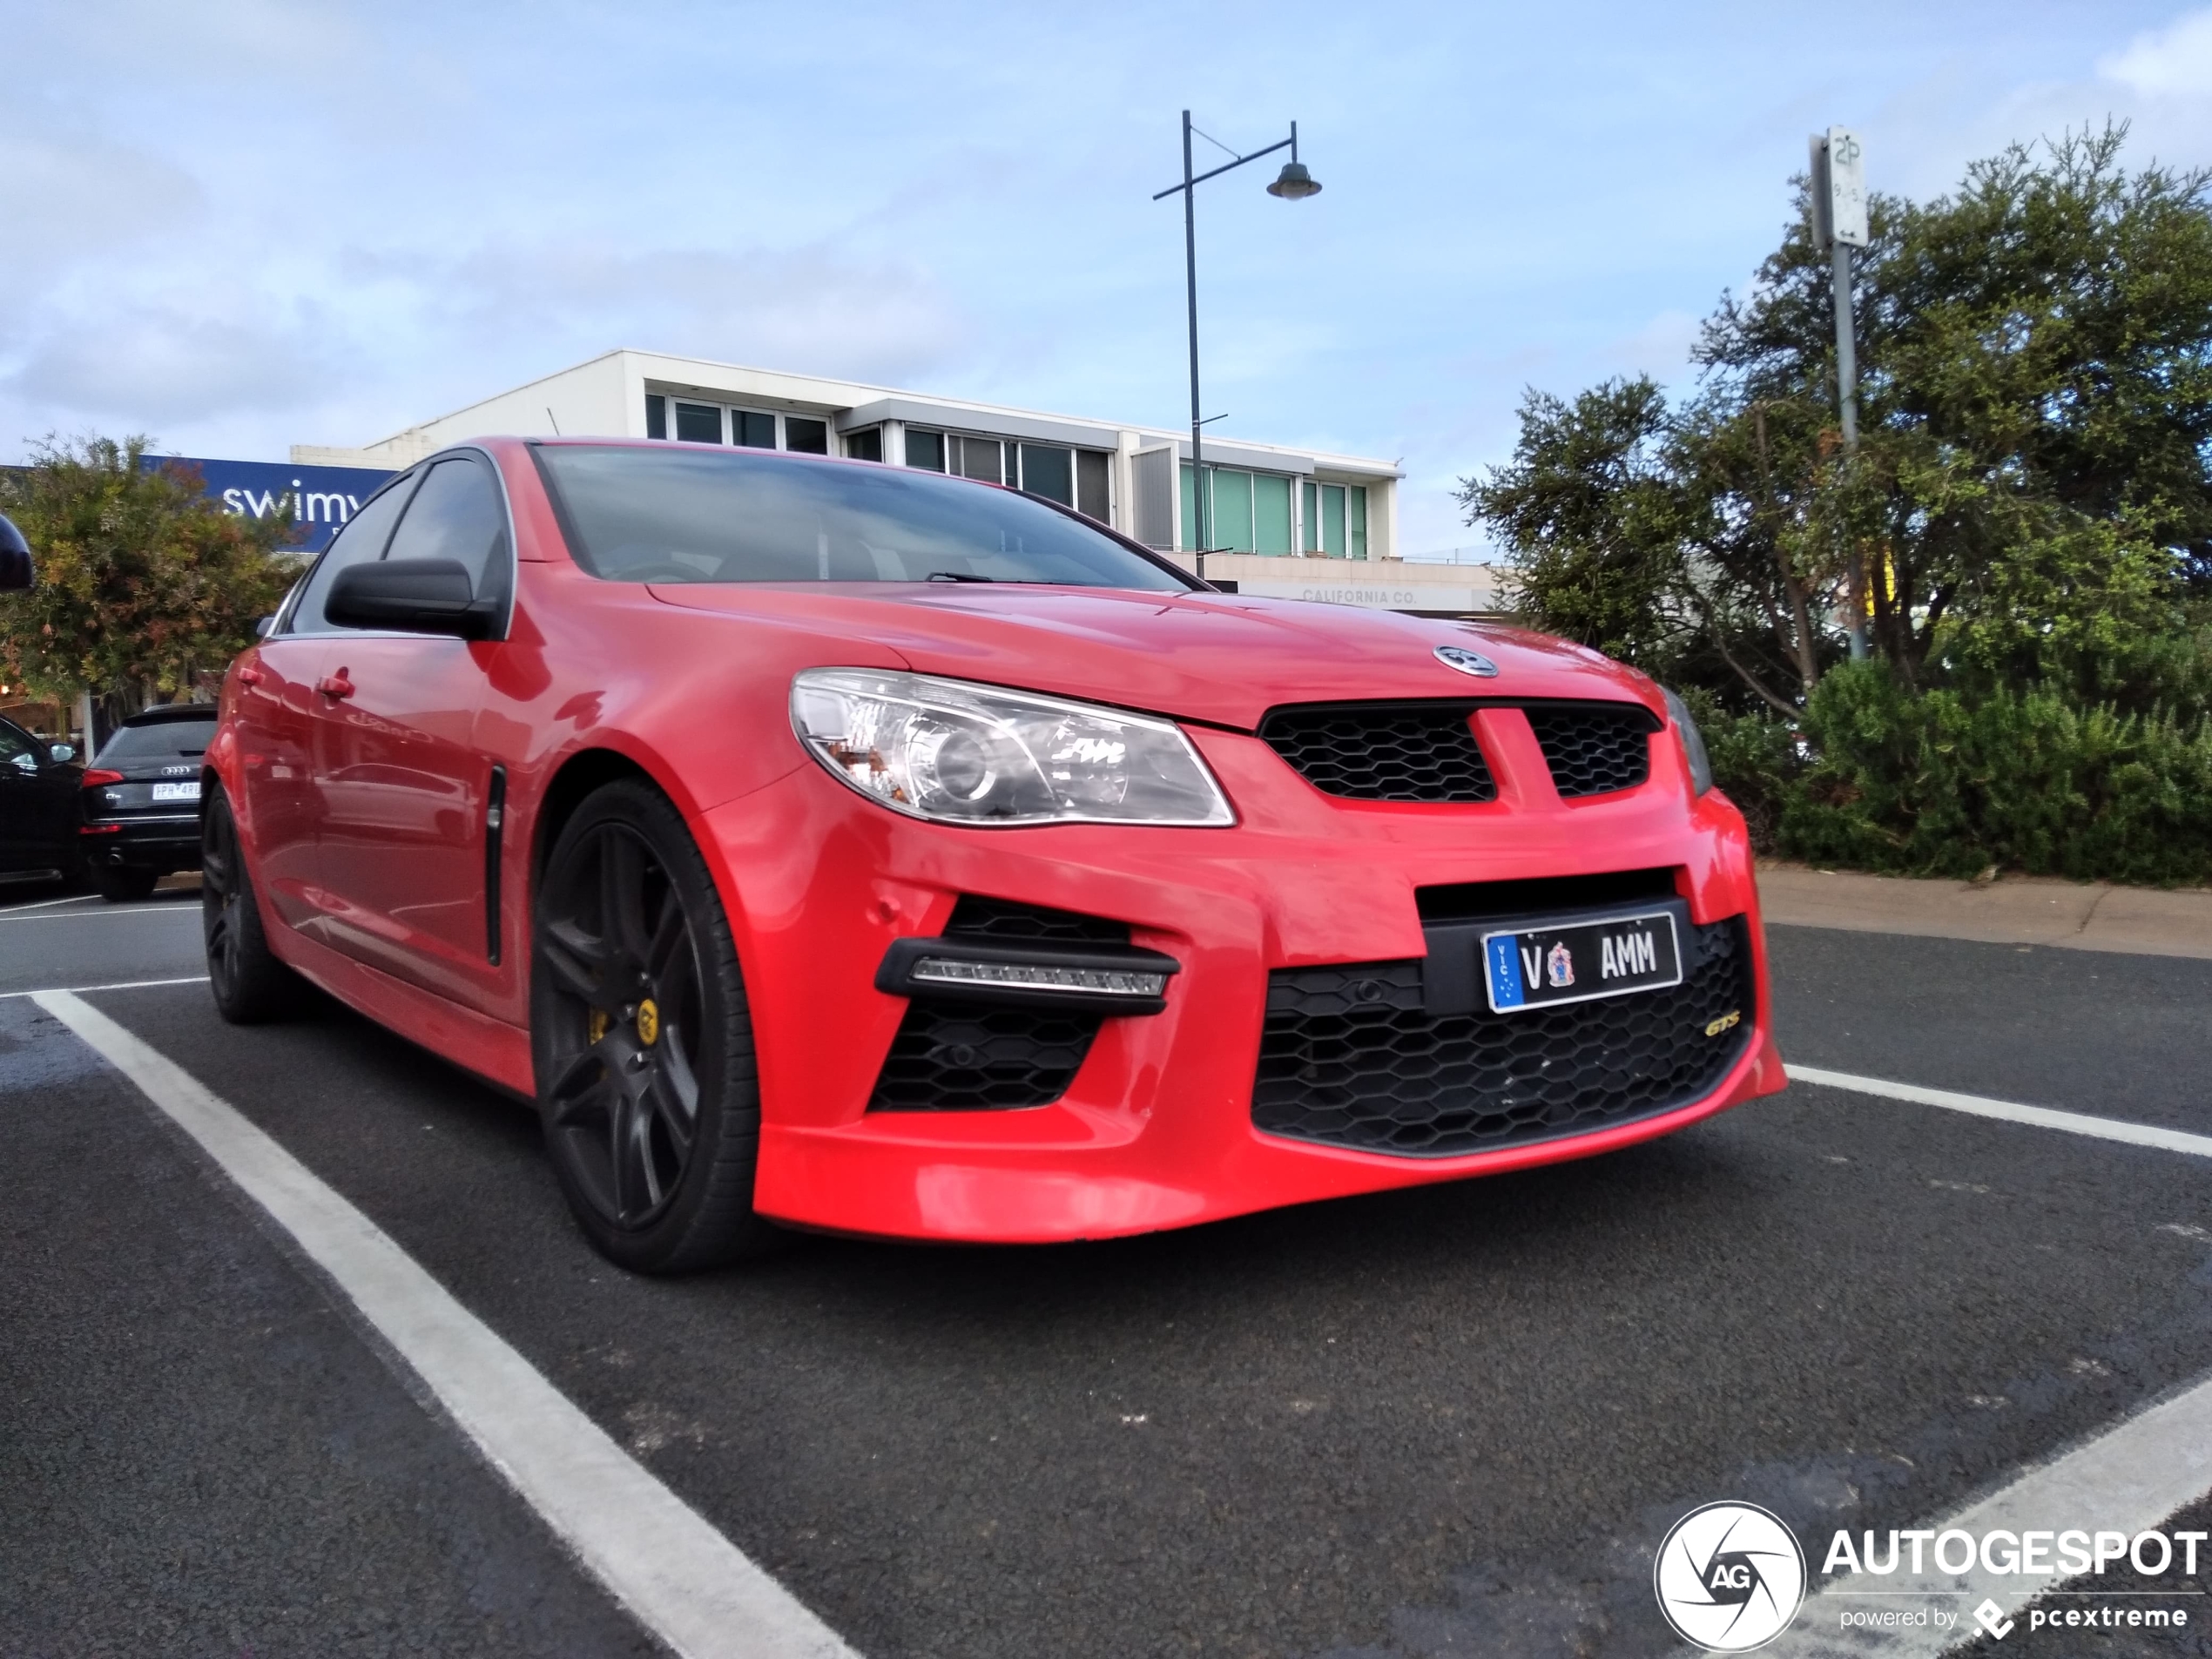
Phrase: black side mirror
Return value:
(411, 596)
(15, 559)
(61, 753)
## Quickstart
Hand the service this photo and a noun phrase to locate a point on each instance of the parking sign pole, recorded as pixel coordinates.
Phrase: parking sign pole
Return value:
(1839, 220)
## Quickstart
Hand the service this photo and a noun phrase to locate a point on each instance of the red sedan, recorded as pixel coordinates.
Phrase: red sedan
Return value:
(830, 844)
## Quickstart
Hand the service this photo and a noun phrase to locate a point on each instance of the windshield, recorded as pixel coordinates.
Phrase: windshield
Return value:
(171, 739)
(655, 514)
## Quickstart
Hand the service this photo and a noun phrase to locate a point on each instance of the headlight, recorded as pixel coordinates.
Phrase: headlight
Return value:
(975, 754)
(1693, 743)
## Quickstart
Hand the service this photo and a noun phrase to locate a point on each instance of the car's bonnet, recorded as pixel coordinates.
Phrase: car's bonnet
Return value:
(1215, 657)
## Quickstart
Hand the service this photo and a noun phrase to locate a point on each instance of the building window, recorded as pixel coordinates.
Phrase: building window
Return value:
(866, 444)
(1093, 496)
(981, 458)
(722, 423)
(1077, 478)
(698, 424)
(1049, 471)
(1250, 512)
(1336, 521)
(1271, 515)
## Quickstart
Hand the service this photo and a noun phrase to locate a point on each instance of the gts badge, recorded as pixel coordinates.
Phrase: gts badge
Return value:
(1728, 1021)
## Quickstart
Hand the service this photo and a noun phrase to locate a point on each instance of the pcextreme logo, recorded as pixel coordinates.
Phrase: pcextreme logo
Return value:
(1730, 1577)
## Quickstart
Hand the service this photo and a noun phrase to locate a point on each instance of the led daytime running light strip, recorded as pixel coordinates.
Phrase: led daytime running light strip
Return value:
(1105, 982)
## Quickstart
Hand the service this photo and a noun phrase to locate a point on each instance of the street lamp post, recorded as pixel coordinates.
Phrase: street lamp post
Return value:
(1294, 183)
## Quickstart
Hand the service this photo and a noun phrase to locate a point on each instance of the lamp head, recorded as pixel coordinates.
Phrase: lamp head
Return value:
(1294, 183)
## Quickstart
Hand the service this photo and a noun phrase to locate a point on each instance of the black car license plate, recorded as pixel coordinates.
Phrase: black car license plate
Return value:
(1536, 968)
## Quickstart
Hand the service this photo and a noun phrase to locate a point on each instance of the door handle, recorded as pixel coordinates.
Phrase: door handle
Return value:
(335, 684)
(249, 676)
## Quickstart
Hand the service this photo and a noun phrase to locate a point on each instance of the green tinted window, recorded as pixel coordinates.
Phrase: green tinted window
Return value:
(1232, 510)
(1356, 521)
(1332, 520)
(1310, 519)
(1271, 514)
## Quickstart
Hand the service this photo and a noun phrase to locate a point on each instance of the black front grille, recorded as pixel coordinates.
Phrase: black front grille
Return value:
(956, 1057)
(1348, 1055)
(1594, 748)
(1383, 751)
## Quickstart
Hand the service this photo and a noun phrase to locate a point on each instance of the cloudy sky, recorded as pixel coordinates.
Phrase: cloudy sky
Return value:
(242, 224)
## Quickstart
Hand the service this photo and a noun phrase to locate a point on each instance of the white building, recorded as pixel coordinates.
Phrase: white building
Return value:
(1283, 523)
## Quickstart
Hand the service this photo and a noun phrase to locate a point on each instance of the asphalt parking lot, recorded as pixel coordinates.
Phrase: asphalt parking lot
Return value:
(1449, 1421)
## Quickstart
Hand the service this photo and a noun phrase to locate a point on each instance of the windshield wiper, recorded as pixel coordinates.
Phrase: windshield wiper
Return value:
(956, 576)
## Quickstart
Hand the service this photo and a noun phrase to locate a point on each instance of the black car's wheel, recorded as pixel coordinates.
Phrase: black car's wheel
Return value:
(122, 884)
(250, 984)
(642, 1041)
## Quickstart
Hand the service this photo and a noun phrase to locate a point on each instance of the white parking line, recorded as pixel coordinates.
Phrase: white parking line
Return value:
(2131, 1478)
(191, 910)
(119, 985)
(2103, 1128)
(686, 1582)
(45, 904)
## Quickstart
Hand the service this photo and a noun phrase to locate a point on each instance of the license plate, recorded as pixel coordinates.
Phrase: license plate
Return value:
(1537, 967)
(176, 791)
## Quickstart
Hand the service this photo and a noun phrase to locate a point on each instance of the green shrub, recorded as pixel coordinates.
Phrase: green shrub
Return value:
(1940, 783)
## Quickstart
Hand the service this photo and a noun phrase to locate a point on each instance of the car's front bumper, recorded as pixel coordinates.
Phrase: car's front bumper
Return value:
(1156, 1129)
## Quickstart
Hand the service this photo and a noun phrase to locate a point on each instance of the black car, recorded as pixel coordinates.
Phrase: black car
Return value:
(142, 799)
(38, 789)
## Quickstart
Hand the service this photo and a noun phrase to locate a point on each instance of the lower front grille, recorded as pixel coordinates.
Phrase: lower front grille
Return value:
(1349, 1056)
(949, 1058)
(952, 1057)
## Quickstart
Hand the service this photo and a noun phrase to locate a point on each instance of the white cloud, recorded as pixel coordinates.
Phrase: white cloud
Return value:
(161, 366)
(2176, 61)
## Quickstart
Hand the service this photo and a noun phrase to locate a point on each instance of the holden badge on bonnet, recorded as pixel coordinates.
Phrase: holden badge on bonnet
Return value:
(1467, 662)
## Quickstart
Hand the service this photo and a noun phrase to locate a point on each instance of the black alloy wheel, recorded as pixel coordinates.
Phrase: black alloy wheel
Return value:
(250, 984)
(642, 1041)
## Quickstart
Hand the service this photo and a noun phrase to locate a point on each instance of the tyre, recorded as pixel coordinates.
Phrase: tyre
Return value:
(123, 884)
(250, 985)
(642, 1043)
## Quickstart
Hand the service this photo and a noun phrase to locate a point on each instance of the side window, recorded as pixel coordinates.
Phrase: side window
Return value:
(361, 540)
(16, 751)
(458, 515)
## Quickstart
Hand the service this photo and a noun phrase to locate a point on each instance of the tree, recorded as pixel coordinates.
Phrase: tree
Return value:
(143, 583)
(2031, 492)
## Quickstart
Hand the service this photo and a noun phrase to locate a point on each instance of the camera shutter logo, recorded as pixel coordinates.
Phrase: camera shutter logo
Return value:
(1730, 1577)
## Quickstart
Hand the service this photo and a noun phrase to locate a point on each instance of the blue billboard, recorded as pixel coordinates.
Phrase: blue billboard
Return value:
(321, 498)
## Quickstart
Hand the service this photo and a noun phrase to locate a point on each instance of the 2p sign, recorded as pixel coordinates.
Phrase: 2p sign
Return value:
(1839, 187)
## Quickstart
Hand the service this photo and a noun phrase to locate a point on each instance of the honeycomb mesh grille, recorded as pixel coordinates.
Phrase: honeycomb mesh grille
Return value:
(1384, 751)
(956, 1057)
(947, 1058)
(1594, 748)
(1348, 1055)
